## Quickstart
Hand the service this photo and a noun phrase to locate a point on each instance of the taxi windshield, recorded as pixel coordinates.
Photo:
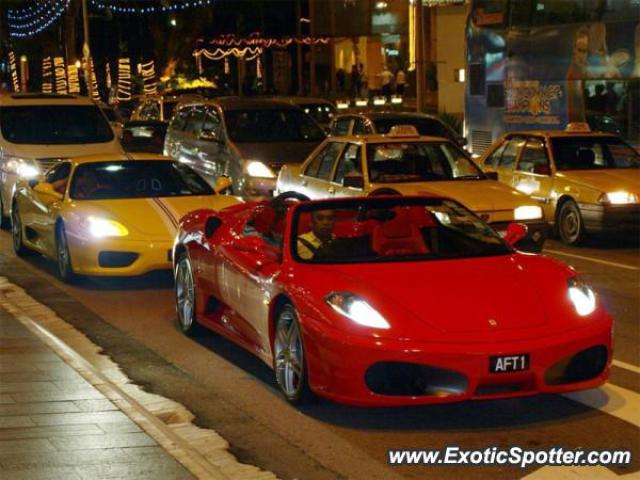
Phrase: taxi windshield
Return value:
(419, 161)
(386, 229)
(136, 179)
(592, 153)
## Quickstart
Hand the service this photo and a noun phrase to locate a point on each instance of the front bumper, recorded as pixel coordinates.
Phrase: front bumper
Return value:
(537, 233)
(610, 218)
(116, 257)
(339, 366)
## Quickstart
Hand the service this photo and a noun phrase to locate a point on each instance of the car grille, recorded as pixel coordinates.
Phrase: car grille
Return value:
(480, 141)
(46, 163)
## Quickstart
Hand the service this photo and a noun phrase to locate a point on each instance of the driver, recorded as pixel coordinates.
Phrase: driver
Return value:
(321, 234)
(86, 184)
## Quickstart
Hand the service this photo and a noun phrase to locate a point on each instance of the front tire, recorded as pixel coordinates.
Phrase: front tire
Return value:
(16, 234)
(570, 224)
(289, 358)
(186, 298)
(63, 256)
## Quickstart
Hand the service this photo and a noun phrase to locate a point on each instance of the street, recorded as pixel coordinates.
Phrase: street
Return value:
(234, 393)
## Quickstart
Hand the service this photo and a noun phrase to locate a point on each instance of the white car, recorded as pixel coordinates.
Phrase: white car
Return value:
(37, 130)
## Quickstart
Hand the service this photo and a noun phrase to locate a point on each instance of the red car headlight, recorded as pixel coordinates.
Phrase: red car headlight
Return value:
(356, 309)
(581, 296)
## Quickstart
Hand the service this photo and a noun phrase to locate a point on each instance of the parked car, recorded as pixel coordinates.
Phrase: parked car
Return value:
(321, 110)
(587, 182)
(404, 162)
(108, 215)
(247, 140)
(38, 130)
(144, 136)
(366, 123)
(405, 301)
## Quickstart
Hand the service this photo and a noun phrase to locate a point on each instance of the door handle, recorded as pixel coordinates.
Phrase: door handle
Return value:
(331, 191)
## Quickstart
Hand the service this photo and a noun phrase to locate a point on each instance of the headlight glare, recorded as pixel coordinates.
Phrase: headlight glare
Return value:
(581, 296)
(356, 309)
(101, 228)
(256, 168)
(527, 212)
(619, 198)
(22, 167)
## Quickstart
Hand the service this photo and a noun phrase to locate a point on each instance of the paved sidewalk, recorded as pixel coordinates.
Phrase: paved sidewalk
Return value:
(56, 425)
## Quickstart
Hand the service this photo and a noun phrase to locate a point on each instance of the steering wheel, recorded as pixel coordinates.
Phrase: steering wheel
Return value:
(291, 195)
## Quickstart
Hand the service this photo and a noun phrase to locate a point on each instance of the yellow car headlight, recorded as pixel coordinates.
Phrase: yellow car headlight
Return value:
(527, 212)
(256, 168)
(101, 228)
(619, 198)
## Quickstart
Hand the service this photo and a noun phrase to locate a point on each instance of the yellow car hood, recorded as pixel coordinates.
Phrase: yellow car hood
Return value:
(477, 195)
(606, 180)
(149, 218)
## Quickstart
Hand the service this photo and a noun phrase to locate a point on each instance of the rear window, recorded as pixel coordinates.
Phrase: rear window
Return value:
(592, 153)
(54, 125)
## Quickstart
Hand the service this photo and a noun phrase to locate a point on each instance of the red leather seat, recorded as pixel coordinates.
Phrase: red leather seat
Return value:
(398, 236)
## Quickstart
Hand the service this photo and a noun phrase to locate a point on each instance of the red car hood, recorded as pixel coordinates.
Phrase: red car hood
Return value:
(478, 300)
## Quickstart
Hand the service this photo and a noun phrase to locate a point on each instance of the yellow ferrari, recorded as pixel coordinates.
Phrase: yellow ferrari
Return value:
(109, 215)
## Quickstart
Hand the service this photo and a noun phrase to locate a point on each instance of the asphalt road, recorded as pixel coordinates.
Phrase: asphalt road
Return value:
(233, 393)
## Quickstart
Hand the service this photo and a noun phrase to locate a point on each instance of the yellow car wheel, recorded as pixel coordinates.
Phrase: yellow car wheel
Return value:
(63, 257)
(16, 234)
(570, 223)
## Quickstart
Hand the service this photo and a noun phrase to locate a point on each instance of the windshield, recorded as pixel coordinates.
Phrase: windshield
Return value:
(592, 153)
(270, 125)
(418, 162)
(135, 179)
(321, 112)
(54, 124)
(424, 126)
(390, 229)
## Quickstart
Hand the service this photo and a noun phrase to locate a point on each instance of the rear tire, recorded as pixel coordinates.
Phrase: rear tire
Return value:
(63, 256)
(570, 224)
(186, 297)
(289, 360)
(16, 234)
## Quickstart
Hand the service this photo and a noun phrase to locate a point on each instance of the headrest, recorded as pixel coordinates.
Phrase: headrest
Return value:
(586, 157)
(399, 227)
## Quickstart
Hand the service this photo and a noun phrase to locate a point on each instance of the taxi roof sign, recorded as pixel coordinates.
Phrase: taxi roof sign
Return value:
(403, 131)
(578, 127)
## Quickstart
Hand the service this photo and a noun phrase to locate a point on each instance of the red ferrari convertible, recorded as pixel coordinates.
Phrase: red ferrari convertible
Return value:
(388, 300)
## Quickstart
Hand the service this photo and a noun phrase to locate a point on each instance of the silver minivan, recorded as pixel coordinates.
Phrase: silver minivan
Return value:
(247, 140)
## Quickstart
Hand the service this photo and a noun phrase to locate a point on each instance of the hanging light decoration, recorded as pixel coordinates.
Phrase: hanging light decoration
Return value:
(14, 72)
(34, 17)
(60, 72)
(124, 80)
(127, 7)
(47, 75)
(74, 79)
(94, 82)
(247, 53)
(256, 40)
(148, 72)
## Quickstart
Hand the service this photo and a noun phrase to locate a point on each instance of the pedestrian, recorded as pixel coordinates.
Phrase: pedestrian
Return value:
(355, 81)
(340, 79)
(401, 80)
(386, 77)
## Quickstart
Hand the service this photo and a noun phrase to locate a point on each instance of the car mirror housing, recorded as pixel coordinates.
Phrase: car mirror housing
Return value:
(44, 188)
(353, 181)
(515, 232)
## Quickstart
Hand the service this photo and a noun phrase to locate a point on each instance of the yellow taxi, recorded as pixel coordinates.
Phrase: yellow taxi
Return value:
(404, 162)
(587, 182)
(109, 215)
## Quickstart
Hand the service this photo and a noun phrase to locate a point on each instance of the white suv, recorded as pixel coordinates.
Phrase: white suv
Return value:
(37, 130)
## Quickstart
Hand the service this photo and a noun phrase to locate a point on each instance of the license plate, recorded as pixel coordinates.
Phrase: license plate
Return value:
(509, 363)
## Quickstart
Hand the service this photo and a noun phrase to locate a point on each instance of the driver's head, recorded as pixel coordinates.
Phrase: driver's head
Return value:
(322, 223)
(87, 181)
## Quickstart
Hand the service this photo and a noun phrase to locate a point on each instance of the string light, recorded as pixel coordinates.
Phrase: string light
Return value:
(120, 7)
(148, 72)
(47, 75)
(74, 79)
(31, 20)
(94, 82)
(124, 80)
(60, 75)
(14, 72)
(247, 53)
(255, 40)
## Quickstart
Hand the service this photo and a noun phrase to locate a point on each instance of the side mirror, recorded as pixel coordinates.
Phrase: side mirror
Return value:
(222, 184)
(44, 188)
(208, 136)
(515, 232)
(542, 169)
(491, 175)
(353, 181)
(211, 225)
